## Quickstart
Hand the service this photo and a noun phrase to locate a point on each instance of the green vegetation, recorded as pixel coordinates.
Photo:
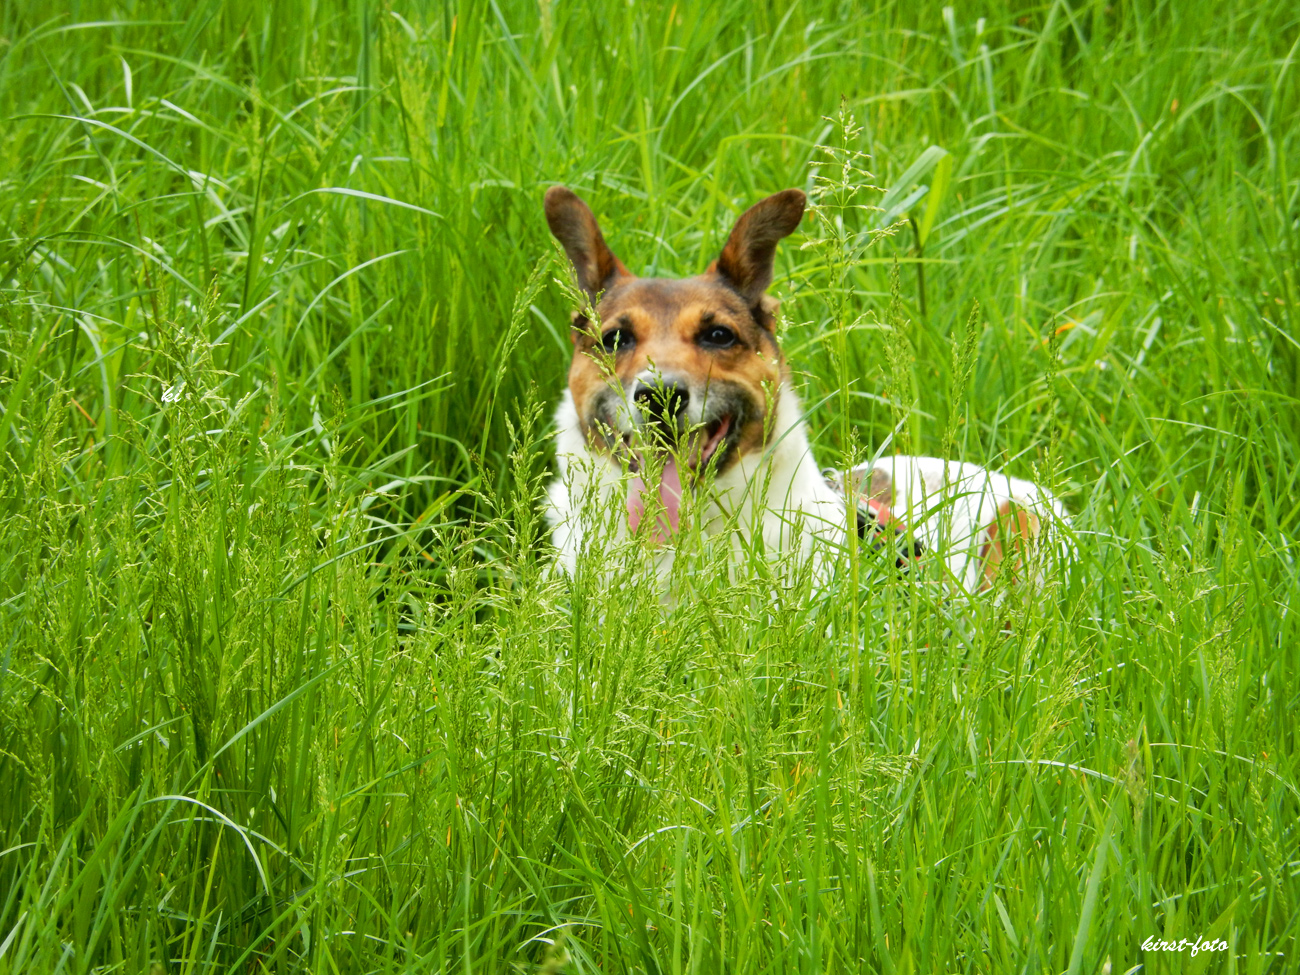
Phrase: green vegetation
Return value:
(285, 683)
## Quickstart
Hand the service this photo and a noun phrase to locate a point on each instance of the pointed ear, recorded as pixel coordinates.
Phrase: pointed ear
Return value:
(574, 226)
(746, 259)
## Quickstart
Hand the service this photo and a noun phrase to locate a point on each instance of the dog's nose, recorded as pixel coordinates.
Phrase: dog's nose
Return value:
(662, 401)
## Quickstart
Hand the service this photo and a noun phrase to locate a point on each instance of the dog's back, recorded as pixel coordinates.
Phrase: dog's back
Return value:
(982, 523)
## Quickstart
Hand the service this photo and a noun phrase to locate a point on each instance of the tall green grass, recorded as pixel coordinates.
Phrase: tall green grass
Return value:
(286, 683)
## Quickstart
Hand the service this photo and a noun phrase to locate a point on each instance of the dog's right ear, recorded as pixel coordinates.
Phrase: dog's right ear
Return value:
(573, 225)
(746, 259)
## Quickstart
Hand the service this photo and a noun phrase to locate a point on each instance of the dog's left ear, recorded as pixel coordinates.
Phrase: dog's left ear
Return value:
(574, 226)
(746, 259)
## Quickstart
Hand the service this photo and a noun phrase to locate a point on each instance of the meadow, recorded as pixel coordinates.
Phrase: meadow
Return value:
(286, 682)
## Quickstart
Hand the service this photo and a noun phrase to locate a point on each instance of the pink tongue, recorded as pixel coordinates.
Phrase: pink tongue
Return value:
(670, 493)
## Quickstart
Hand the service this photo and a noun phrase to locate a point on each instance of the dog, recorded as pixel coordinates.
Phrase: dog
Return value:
(680, 402)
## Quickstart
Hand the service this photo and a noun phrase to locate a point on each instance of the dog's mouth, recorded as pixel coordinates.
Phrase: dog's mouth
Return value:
(696, 448)
(650, 453)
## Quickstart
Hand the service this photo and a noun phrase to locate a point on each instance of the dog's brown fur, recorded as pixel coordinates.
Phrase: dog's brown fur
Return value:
(662, 319)
(1010, 535)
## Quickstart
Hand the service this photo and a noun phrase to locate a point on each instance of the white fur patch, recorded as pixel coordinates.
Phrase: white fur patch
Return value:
(783, 497)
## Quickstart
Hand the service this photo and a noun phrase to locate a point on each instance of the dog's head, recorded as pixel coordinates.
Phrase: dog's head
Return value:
(689, 369)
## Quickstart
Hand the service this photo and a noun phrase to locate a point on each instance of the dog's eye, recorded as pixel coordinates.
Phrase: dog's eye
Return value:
(717, 337)
(616, 339)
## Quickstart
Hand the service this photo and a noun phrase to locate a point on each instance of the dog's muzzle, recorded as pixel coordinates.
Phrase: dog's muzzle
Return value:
(883, 532)
(878, 527)
(663, 404)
